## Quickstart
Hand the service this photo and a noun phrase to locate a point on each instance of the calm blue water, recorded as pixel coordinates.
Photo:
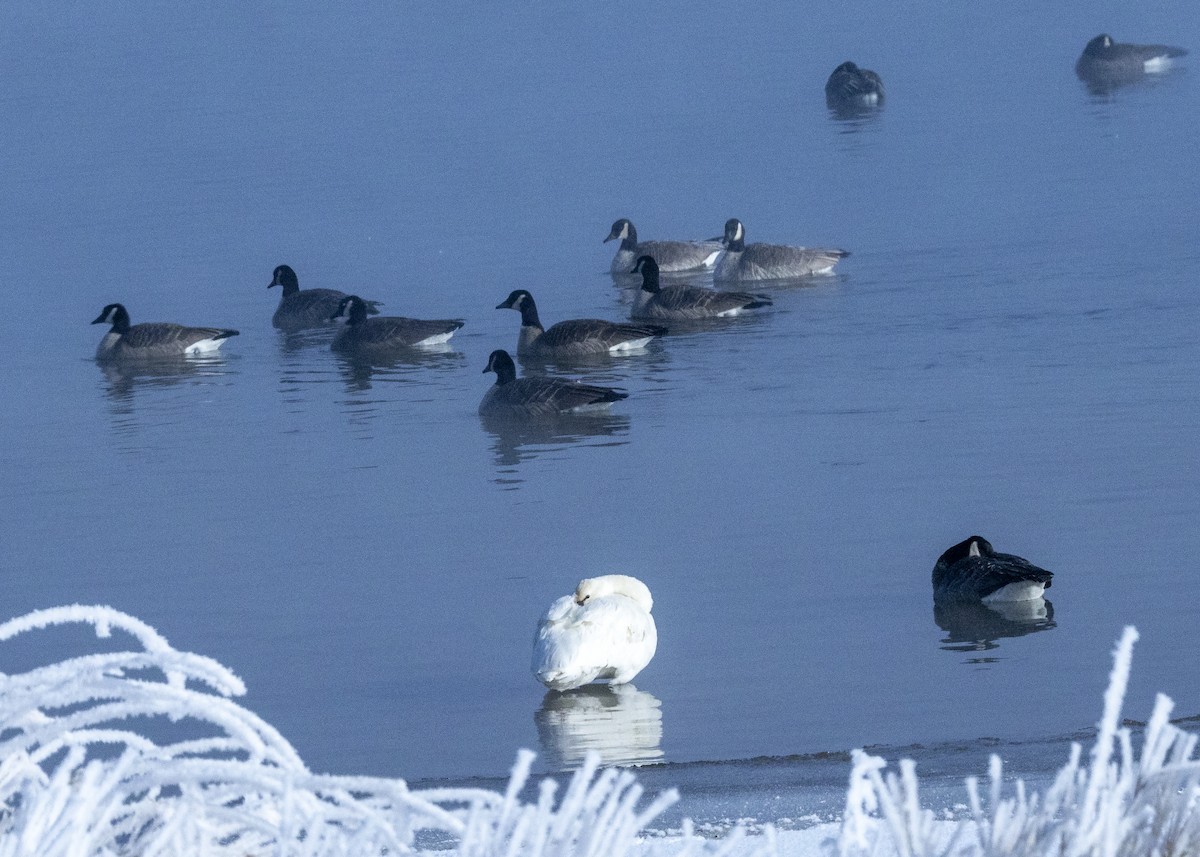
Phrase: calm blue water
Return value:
(1010, 350)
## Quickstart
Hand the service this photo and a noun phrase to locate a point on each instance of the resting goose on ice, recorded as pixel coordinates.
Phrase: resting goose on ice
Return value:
(604, 632)
(385, 334)
(686, 303)
(154, 340)
(742, 261)
(972, 569)
(671, 256)
(576, 337)
(298, 309)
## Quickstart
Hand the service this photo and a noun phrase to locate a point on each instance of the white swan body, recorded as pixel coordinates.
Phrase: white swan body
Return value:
(604, 632)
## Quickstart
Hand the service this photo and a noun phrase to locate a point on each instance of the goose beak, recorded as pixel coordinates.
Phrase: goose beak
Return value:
(503, 305)
(272, 284)
(100, 320)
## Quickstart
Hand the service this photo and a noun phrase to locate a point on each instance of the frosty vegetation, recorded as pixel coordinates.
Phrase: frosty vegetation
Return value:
(78, 778)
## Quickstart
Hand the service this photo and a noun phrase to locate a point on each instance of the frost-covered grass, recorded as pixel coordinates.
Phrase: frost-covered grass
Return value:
(1116, 804)
(77, 779)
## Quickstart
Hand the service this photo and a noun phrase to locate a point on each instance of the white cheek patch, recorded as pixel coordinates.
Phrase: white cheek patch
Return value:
(974, 549)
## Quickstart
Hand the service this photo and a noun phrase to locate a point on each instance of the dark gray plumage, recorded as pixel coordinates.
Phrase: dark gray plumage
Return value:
(850, 86)
(298, 309)
(686, 303)
(576, 337)
(671, 256)
(534, 397)
(972, 569)
(384, 335)
(741, 261)
(154, 340)
(1105, 63)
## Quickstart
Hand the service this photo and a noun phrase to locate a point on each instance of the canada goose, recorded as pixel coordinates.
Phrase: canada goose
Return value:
(971, 569)
(308, 308)
(852, 87)
(576, 337)
(154, 340)
(604, 632)
(1105, 62)
(742, 261)
(685, 303)
(671, 256)
(538, 396)
(367, 337)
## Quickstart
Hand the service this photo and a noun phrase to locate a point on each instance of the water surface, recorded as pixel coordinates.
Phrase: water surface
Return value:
(1010, 350)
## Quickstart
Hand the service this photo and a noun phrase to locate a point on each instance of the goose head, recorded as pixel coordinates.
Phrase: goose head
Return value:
(115, 315)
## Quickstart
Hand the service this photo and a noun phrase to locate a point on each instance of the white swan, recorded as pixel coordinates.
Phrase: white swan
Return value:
(604, 632)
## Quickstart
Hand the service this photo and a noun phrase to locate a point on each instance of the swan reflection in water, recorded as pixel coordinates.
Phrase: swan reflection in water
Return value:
(973, 626)
(620, 722)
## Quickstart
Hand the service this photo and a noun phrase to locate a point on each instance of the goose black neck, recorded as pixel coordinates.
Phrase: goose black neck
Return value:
(650, 278)
(286, 278)
(529, 314)
(505, 370)
(356, 311)
(629, 242)
(120, 321)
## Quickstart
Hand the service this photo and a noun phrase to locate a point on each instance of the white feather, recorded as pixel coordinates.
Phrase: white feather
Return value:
(603, 633)
(1156, 65)
(631, 344)
(205, 346)
(1024, 590)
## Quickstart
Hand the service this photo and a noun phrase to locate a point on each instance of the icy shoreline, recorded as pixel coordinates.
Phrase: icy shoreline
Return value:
(77, 778)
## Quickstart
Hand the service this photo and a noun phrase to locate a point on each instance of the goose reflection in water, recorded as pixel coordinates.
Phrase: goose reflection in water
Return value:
(620, 722)
(359, 373)
(126, 378)
(515, 441)
(972, 626)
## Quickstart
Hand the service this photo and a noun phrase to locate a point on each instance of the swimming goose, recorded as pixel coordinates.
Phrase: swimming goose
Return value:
(154, 340)
(1104, 61)
(686, 303)
(604, 632)
(538, 396)
(973, 570)
(850, 86)
(309, 308)
(742, 261)
(576, 337)
(671, 256)
(381, 336)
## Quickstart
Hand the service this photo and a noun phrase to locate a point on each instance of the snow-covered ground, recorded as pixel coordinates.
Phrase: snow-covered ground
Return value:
(145, 752)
